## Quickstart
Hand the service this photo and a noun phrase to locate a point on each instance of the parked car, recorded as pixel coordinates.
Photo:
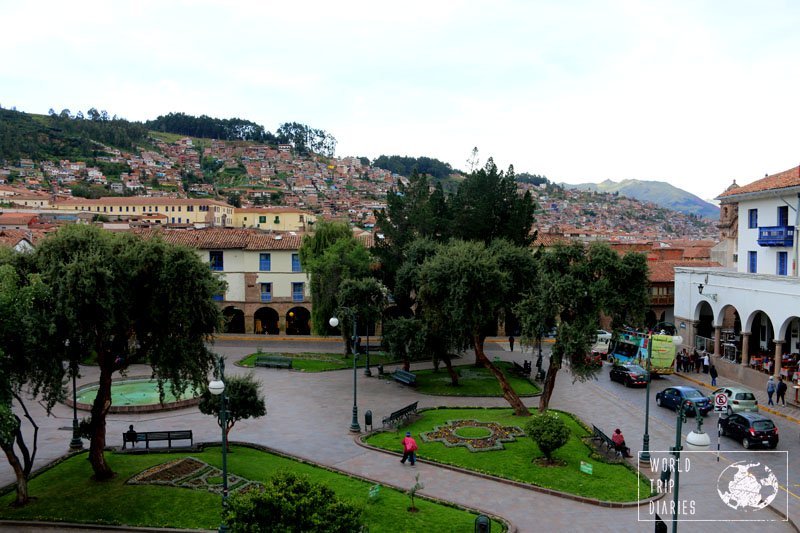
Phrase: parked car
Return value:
(673, 397)
(739, 399)
(629, 375)
(753, 429)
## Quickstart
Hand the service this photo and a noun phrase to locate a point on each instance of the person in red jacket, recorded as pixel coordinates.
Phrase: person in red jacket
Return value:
(619, 442)
(409, 449)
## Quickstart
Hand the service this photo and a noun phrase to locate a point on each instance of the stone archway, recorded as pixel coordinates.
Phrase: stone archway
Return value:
(298, 321)
(265, 321)
(234, 319)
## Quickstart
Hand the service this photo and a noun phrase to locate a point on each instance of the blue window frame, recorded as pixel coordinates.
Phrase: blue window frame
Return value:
(783, 260)
(752, 262)
(265, 262)
(215, 259)
(297, 291)
(752, 218)
(266, 292)
(296, 263)
(218, 297)
(783, 215)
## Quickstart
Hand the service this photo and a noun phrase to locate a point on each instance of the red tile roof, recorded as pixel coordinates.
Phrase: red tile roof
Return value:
(225, 238)
(781, 180)
(664, 271)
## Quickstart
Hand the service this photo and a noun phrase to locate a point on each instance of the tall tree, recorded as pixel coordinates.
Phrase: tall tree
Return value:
(572, 287)
(459, 292)
(243, 400)
(126, 300)
(365, 296)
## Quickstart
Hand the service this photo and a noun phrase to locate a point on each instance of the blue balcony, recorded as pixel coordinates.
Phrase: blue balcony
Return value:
(776, 236)
(266, 296)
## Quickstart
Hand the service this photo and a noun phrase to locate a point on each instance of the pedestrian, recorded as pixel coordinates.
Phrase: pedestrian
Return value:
(781, 391)
(511, 342)
(770, 389)
(698, 362)
(619, 443)
(679, 362)
(705, 363)
(409, 449)
(713, 372)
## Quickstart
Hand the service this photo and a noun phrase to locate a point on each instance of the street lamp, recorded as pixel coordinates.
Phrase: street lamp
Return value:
(334, 322)
(695, 441)
(76, 443)
(644, 456)
(217, 388)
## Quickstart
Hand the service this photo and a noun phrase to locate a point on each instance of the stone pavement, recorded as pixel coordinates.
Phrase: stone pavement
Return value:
(309, 416)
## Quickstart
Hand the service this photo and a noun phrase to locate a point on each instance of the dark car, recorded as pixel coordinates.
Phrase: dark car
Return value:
(629, 375)
(673, 397)
(753, 429)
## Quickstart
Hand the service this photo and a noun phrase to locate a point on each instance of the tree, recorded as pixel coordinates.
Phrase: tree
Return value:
(126, 300)
(572, 286)
(458, 289)
(365, 296)
(548, 431)
(235, 199)
(293, 504)
(28, 362)
(243, 400)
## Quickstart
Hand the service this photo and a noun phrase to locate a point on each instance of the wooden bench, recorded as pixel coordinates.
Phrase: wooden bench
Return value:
(152, 436)
(273, 361)
(405, 377)
(400, 415)
(598, 435)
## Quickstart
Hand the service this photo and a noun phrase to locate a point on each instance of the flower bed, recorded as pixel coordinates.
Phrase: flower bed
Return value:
(497, 435)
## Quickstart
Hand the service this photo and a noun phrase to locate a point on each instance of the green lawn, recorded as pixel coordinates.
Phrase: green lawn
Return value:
(320, 362)
(608, 482)
(473, 381)
(65, 493)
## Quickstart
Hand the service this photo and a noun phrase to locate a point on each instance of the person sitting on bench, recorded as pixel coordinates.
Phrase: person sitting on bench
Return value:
(619, 443)
(130, 435)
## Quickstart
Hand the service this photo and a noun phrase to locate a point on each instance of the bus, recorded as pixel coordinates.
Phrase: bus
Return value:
(650, 351)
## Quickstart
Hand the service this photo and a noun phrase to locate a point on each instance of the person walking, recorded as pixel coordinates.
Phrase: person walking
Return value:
(409, 449)
(713, 372)
(706, 364)
(770, 389)
(511, 342)
(781, 391)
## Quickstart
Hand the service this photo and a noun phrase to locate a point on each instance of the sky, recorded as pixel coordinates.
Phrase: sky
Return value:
(696, 93)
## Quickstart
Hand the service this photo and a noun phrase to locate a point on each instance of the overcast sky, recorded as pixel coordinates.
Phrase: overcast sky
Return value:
(696, 93)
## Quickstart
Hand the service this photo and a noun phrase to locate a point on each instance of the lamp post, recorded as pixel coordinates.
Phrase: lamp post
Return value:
(695, 440)
(644, 456)
(217, 388)
(76, 443)
(334, 322)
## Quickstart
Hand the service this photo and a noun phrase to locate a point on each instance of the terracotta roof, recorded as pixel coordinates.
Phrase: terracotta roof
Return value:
(17, 218)
(781, 180)
(141, 200)
(664, 271)
(271, 209)
(225, 238)
(11, 237)
(550, 239)
(697, 252)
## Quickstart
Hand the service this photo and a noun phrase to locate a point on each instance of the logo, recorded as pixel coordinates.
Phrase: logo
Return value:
(747, 486)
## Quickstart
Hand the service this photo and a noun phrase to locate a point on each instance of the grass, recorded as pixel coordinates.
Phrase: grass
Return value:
(321, 362)
(113, 502)
(473, 381)
(608, 482)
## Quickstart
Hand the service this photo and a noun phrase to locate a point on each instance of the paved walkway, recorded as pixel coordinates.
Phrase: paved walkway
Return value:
(309, 416)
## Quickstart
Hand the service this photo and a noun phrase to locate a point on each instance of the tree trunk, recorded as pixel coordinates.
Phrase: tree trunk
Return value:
(99, 411)
(19, 472)
(549, 384)
(508, 393)
(451, 371)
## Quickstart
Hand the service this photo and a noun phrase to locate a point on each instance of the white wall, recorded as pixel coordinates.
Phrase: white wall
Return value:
(748, 237)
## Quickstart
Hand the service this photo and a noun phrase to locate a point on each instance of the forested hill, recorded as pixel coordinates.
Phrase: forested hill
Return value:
(229, 129)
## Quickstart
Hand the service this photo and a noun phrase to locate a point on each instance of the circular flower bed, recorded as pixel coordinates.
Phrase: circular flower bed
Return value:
(190, 473)
(474, 435)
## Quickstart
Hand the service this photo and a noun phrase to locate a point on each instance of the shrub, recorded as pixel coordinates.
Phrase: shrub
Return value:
(548, 431)
(292, 503)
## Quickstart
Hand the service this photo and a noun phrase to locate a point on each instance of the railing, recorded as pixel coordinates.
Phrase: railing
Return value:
(662, 299)
(266, 296)
(776, 236)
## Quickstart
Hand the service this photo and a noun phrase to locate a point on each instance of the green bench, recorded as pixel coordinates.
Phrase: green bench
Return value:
(400, 415)
(407, 378)
(273, 361)
(598, 435)
(152, 436)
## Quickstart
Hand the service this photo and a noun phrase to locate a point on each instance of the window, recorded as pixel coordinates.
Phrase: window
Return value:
(783, 215)
(297, 292)
(218, 297)
(782, 262)
(296, 263)
(265, 262)
(262, 220)
(752, 262)
(190, 208)
(752, 218)
(277, 220)
(215, 258)
(266, 292)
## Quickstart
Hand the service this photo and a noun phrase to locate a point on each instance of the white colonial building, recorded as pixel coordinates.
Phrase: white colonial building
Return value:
(750, 308)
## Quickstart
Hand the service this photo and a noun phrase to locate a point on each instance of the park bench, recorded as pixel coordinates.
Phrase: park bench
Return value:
(598, 435)
(151, 436)
(400, 415)
(405, 377)
(274, 361)
(524, 371)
